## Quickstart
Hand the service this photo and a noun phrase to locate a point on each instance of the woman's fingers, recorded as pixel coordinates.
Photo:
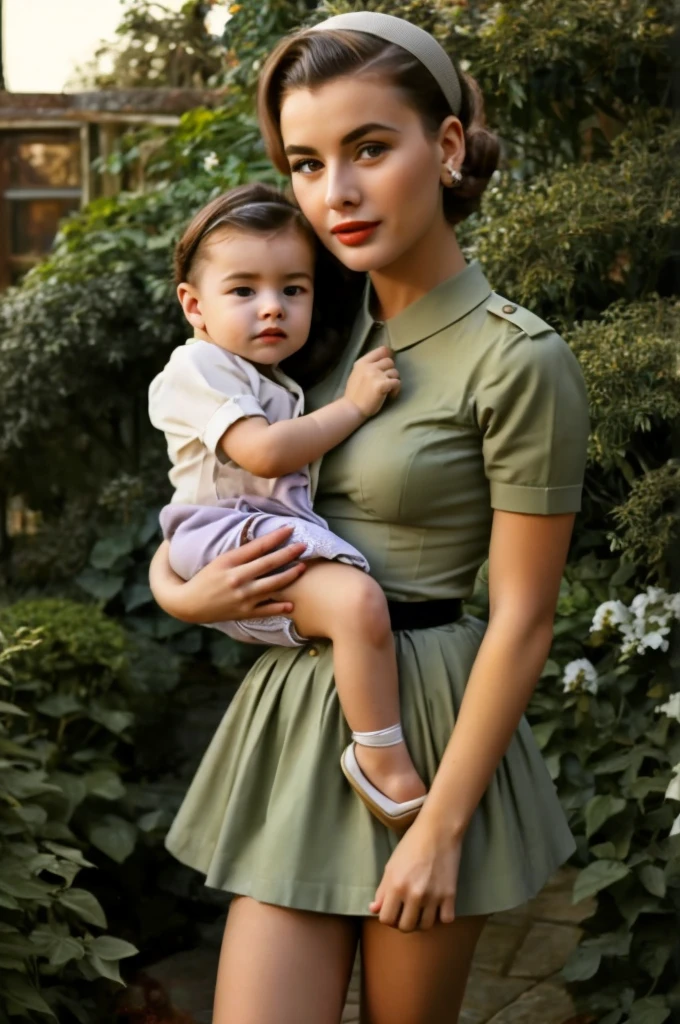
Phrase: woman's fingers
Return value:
(268, 608)
(447, 910)
(254, 549)
(428, 916)
(391, 908)
(264, 566)
(269, 587)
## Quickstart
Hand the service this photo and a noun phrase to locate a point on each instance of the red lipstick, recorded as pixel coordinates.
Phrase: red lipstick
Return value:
(355, 232)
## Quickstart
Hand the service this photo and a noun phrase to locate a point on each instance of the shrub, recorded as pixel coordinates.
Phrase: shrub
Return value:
(53, 958)
(608, 728)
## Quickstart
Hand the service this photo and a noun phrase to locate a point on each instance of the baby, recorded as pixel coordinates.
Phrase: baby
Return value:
(240, 447)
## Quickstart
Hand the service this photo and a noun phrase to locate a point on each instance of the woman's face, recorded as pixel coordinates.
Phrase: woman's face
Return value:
(364, 172)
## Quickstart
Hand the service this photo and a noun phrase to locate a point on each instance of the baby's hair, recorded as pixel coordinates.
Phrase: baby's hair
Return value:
(254, 208)
(262, 209)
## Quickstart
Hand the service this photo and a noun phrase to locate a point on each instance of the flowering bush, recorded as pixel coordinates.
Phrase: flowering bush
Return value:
(608, 727)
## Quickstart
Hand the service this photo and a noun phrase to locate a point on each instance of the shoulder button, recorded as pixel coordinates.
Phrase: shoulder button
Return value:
(519, 317)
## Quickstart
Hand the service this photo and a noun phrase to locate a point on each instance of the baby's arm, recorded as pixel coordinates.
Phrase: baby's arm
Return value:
(273, 450)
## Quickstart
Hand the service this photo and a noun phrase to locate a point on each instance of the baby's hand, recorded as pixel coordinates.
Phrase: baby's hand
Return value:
(372, 379)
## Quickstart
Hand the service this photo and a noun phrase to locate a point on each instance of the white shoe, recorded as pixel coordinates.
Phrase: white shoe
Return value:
(397, 816)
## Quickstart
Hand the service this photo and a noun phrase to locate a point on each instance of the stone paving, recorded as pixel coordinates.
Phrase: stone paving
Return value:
(515, 976)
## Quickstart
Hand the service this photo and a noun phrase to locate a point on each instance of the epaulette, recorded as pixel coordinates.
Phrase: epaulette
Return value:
(528, 322)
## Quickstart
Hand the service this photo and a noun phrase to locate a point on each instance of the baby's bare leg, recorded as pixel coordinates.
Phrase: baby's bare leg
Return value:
(347, 606)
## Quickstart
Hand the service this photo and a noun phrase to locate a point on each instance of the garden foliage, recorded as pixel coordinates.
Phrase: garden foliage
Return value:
(63, 721)
(581, 224)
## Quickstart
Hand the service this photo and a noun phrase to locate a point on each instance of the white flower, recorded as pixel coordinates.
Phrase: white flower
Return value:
(211, 162)
(675, 829)
(610, 613)
(672, 706)
(673, 791)
(580, 674)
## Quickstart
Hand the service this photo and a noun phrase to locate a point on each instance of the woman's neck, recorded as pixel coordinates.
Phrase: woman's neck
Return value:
(435, 258)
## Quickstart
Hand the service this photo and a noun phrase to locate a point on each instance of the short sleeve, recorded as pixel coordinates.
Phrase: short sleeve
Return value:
(532, 409)
(201, 392)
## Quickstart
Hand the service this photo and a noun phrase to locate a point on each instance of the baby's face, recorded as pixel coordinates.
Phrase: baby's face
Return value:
(253, 293)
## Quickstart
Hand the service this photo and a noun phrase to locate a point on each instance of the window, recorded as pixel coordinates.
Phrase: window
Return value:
(40, 182)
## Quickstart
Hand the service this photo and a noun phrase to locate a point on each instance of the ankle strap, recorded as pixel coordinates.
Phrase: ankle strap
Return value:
(380, 738)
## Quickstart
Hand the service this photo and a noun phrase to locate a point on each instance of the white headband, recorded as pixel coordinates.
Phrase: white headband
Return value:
(416, 41)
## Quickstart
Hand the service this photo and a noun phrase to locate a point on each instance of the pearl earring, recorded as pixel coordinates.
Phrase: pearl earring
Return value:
(456, 176)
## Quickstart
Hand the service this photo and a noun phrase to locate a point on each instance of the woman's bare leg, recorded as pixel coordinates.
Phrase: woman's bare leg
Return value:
(416, 977)
(282, 966)
(347, 606)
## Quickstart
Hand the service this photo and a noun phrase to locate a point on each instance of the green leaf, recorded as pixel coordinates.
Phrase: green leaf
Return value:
(101, 585)
(600, 809)
(84, 904)
(11, 709)
(610, 943)
(137, 595)
(114, 836)
(105, 784)
(68, 853)
(109, 948)
(597, 876)
(582, 964)
(160, 818)
(543, 731)
(105, 968)
(648, 1011)
(115, 721)
(60, 949)
(109, 550)
(653, 879)
(59, 705)
(19, 990)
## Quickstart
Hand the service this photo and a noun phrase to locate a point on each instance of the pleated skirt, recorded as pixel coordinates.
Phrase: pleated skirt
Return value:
(270, 815)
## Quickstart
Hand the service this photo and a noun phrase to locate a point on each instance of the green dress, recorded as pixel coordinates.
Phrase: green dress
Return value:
(492, 414)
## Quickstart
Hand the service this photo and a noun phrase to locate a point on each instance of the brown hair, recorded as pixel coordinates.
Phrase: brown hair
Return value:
(252, 208)
(307, 60)
(261, 208)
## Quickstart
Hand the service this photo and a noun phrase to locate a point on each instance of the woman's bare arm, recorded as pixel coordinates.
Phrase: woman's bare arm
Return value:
(527, 556)
(526, 561)
(274, 449)
(236, 585)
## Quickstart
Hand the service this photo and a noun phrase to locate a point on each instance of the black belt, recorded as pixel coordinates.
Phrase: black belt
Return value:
(424, 614)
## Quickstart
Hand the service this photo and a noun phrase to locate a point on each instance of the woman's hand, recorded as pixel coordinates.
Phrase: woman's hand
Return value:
(418, 887)
(236, 585)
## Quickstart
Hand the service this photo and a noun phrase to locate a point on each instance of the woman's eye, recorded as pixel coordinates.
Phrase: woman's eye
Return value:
(306, 166)
(372, 149)
(293, 289)
(243, 291)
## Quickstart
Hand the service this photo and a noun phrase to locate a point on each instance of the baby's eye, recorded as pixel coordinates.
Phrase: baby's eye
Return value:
(294, 289)
(243, 291)
(307, 166)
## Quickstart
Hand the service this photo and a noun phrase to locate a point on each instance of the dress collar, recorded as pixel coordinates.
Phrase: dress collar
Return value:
(449, 301)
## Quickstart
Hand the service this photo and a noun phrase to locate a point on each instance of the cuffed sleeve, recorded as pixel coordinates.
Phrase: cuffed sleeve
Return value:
(203, 391)
(532, 409)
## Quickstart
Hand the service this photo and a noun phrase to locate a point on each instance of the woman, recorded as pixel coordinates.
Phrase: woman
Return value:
(482, 453)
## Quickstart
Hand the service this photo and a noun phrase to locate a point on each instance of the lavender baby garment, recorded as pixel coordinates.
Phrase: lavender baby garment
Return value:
(217, 505)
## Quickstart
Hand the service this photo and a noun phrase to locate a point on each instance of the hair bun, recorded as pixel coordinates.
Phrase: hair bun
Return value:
(482, 153)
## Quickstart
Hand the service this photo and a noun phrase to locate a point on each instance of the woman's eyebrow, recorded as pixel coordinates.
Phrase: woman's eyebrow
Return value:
(356, 133)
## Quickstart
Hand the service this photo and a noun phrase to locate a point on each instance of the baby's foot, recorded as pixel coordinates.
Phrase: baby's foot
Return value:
(391, 770)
